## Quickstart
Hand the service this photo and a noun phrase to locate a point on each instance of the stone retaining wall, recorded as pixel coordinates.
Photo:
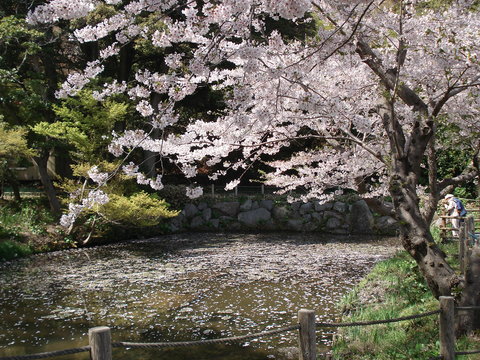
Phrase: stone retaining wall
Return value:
(268, 215)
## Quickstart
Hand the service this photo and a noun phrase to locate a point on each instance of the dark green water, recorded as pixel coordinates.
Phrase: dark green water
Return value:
(181, 287)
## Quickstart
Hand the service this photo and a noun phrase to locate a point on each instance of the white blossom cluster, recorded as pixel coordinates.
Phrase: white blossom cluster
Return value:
(60, 9)
(95, 197)
(76, 81)
(109, 90)
(97, 176)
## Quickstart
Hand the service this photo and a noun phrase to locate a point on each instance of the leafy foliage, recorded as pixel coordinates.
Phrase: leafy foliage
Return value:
(84, 124)
(13, 143)
(138, 210)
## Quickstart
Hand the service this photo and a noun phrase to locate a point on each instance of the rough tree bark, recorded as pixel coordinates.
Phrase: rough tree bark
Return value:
(12, 180)
(42, 161)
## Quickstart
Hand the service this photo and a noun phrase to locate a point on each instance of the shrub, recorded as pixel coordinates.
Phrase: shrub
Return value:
(138, 210)
(11, 249)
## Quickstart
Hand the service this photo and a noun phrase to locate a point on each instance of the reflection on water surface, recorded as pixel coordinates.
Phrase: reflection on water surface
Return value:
(181, 287)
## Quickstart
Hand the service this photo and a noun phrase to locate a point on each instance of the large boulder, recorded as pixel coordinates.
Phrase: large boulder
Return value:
(247, 205)
(190, 210)
(341, 207)
(267, 204)
(386, 225)
(322, 207)
(280, 212)
(202, 206)
(207, 214)
(361, 218)
(306, 208)
(255, 217)
(197, 222)
(333, 223)
(295, 225)
(316, 216)
(177, 222)
(229, 208)
(215, 223)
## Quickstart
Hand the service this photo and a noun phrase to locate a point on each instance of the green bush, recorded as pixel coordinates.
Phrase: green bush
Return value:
(11, 250)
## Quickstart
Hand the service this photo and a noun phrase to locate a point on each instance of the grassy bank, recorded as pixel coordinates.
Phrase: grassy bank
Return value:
(394, 289)
(27, 227)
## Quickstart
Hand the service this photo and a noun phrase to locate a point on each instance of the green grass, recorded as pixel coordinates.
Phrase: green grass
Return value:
(20, 221)
(30, 215)
(394, 289)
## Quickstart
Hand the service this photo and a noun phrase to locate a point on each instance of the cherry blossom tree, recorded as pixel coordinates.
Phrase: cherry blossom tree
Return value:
(372, 85)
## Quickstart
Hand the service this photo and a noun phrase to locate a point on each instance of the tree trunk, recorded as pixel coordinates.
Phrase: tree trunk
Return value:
(12, 180)
(42, 161)
(418, 242)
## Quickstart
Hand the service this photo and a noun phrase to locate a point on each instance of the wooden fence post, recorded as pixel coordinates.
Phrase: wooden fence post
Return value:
(443, 231)
(307, 335)
(447, 328)
(462, 246)
(470, 226)
(100, 341)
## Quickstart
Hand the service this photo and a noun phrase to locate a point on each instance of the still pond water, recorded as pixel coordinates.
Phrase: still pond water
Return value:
(182, 287)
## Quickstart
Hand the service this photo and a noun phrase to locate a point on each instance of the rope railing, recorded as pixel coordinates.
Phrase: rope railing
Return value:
(469, 352)
(45, 355)
(376, 322)
(230, 340)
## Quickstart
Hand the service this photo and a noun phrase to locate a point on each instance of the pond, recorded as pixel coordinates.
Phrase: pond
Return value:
(182, 287)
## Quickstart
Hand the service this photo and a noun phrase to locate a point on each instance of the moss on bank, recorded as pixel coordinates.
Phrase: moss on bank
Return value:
(394, 289)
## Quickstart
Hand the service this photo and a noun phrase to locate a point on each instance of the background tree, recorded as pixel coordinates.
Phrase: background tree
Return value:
(28, 79)
(13, 149)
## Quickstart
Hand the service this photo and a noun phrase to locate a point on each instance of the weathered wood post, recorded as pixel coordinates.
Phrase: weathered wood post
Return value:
(470, 225)
(462, 245)
(100, 341)
(443, 231)
(306, 335)
(447, 328)
(213, 190)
